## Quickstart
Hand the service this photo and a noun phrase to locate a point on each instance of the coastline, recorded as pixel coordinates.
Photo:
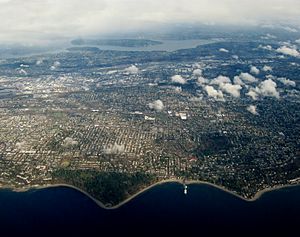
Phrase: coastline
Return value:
(258, 195)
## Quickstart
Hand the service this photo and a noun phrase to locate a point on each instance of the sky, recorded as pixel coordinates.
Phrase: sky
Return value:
(52, 19)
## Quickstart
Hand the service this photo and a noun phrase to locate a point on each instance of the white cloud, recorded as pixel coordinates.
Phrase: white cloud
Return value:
(39, 62)
(290, 29)
(132, 69)
(22, 72)
(287, 82)
(254, 70)
(268, 36)
(202, 80)
(246, 77)
(212, 92)
(288, 51)
(287, 43)
(297, 41)
(157, 105)
(68, 18)
(270, 77)
(267, 88)
(267, 68)
(114, 149)
(197, 72)
(266, 47)
(55, 65)
(224, 50)
(220, 79)
(233, 90)
(237, 80)
(252, 109)
(252, 94)
(225, 85)
(178, 79)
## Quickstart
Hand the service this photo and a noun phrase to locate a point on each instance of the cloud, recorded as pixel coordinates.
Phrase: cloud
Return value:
(266, 47)
(290, 29)
(224, 50)
(157, 105)
(270, 77)
(39, 62)
(178, 79)
(212, 92)
(197, 72)
(268, 36)
(252, 109)
(267, 88)
(267, 68)
(22, 72)
(252, 94)
(297, 41)
(287, 82)
(202, 81)
(132, 69)
(233, 90)
(225, 85)
(52, 19)
(254, 70)
(237, 80)
(246, 77)
(115, 149)
(69, 142)
(219, 80)
(55, 65)
(288, 51)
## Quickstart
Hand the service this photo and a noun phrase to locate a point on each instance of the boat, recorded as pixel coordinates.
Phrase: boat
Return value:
(185, 189)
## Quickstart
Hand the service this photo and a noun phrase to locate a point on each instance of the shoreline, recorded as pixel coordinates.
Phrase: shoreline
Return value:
(257, 196)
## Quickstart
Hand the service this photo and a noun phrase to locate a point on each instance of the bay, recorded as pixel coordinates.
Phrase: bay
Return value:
(161, 210)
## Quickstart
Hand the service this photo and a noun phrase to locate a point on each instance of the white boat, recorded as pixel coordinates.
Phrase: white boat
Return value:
(185, 190)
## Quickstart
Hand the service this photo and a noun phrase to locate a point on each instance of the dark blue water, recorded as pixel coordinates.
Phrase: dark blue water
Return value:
(163, 210)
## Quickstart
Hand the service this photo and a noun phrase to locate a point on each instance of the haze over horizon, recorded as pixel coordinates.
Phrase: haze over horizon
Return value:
(36, 20)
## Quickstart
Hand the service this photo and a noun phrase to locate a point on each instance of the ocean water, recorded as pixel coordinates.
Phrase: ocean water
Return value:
(162, 210)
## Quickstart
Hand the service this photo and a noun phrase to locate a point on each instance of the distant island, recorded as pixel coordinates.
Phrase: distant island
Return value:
(84, 49)
(116, 42)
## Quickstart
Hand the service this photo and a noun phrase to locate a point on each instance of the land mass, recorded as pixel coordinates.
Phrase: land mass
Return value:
(126, 197)
(109, 188)
(112, 123)
(116, 42)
